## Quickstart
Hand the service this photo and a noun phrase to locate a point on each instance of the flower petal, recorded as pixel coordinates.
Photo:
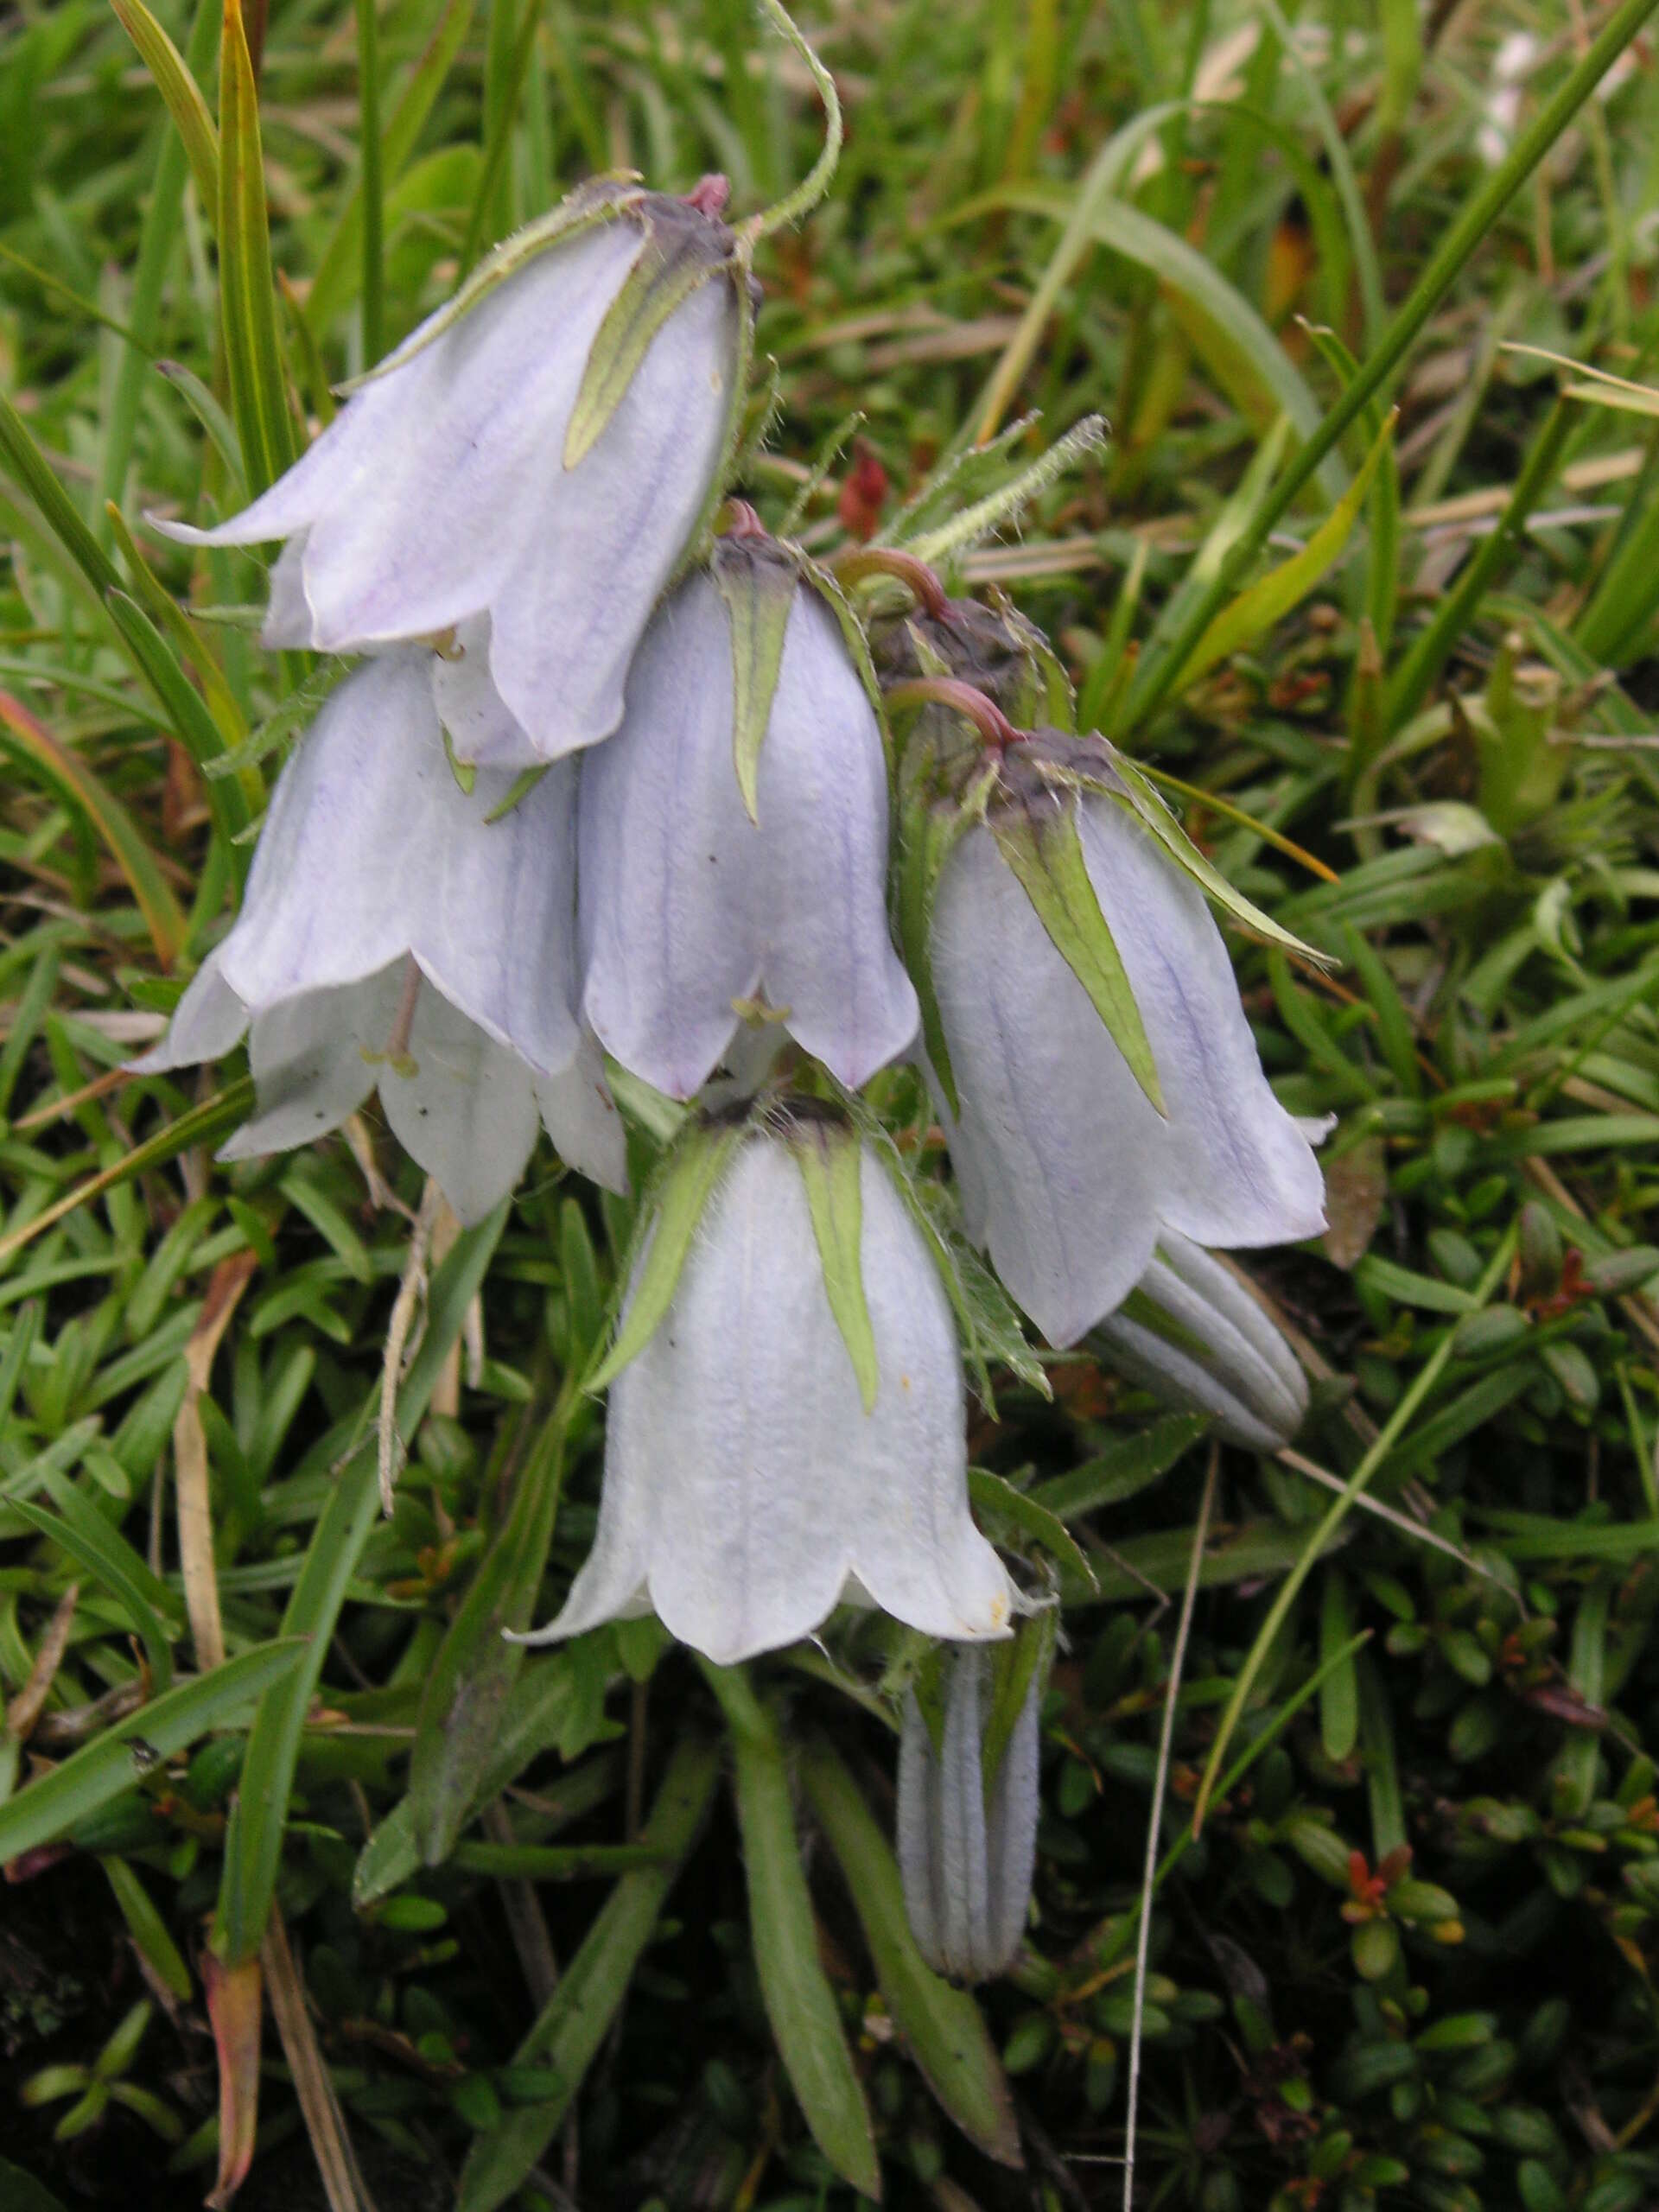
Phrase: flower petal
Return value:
(482, 727)
(1011, 1837)
(464, 1109)
(821, 797)
(579, 1114)
(206, 1022)
(670, 876)
(1238, 1170)
(1057, 1142)
(288, 617)
(312, 1064)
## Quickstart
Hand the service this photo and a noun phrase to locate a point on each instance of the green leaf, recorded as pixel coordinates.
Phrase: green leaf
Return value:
(1271, 597)
(800, 2004)
(942, 2027)
(191, 722)
(183, 96)
(995, 1499)
(1046, 853)
(674, 261)
(687, 1183)
(84, 1533)
(28, 743)
(1122, 1470)
(148, 1930)
(253, 1840)
(28, 465)
(758, 591)
(100, 1770)
(253, 353)
(830, 1164)
(576, 2018)
(470, 1680)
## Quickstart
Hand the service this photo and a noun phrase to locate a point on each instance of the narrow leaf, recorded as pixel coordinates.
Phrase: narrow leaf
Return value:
(800, 2004)
(829, 1165)
(1046, 853)
(183, 96)
(942, 2026)
(100, 1770)
(80, 1529)
(1271, 597)
(1022, 1516)
(577, 2016)
(253, 356)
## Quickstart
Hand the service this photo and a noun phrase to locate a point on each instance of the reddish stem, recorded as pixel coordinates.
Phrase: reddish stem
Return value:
(709, 193)
(739, 519)
(888, 561)
(965, 699)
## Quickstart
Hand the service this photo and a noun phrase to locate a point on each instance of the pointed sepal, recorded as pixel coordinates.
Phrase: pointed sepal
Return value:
(669, 1222)
(828, 1158)
(756, 578)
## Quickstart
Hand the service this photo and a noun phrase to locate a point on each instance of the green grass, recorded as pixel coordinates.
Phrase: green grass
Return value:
(1403, 667)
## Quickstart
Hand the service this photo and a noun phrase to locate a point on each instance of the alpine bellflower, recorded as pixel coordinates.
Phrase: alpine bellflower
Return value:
(1191, 1333)
(527, 470)
(966, 1852)
(717, 881)
(391, 935)
(750, 1484)
(1068, 1172)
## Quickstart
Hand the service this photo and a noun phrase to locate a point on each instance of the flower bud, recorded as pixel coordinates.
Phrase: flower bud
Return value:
(1191, 1334)
(533, 462)
(753, 1477)
(391, 934)
(967, 1846)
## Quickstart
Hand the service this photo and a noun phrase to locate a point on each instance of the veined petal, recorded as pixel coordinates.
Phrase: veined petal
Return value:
(579, 1114)
(914, 1545)
(1061, 1147)
(670, 877)
(821, 797)
(372, 849)
(1011, 1836)
(1236, 1170)
(482, 727)
(313, 1063)
(569, 611)
(206, 1022)
(437, 497)
(462, 1106)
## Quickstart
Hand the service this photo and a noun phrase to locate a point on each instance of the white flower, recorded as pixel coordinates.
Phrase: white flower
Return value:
(689, 908)
(441, 498)
(966, 1854)
(746, 1491)
(1193, 1334)
(1068, 1174)
(391, 935)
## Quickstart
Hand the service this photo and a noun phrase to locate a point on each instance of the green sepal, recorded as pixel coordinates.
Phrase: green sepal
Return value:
(600, 200)
(1040, 839)
(518, 790)
(673, 263)
(756, 578)
(829, 1159)
(1139, 797)
(1020, 1666)
(1017, 1521)
(684, 1186)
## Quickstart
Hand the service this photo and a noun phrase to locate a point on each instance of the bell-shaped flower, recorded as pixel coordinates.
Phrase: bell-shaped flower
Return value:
(1190, 1333)
(1069, 1172)
(734, 837)
(757, 1471)
(391, 934)
(529, 468)
(967, 1851)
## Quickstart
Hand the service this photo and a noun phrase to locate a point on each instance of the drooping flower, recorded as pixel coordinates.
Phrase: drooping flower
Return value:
(966, 1852)
(391, 935)
(749, 1484)
(696, 906)
(1067, 1171)
(527, 472)
(1193, 1334)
